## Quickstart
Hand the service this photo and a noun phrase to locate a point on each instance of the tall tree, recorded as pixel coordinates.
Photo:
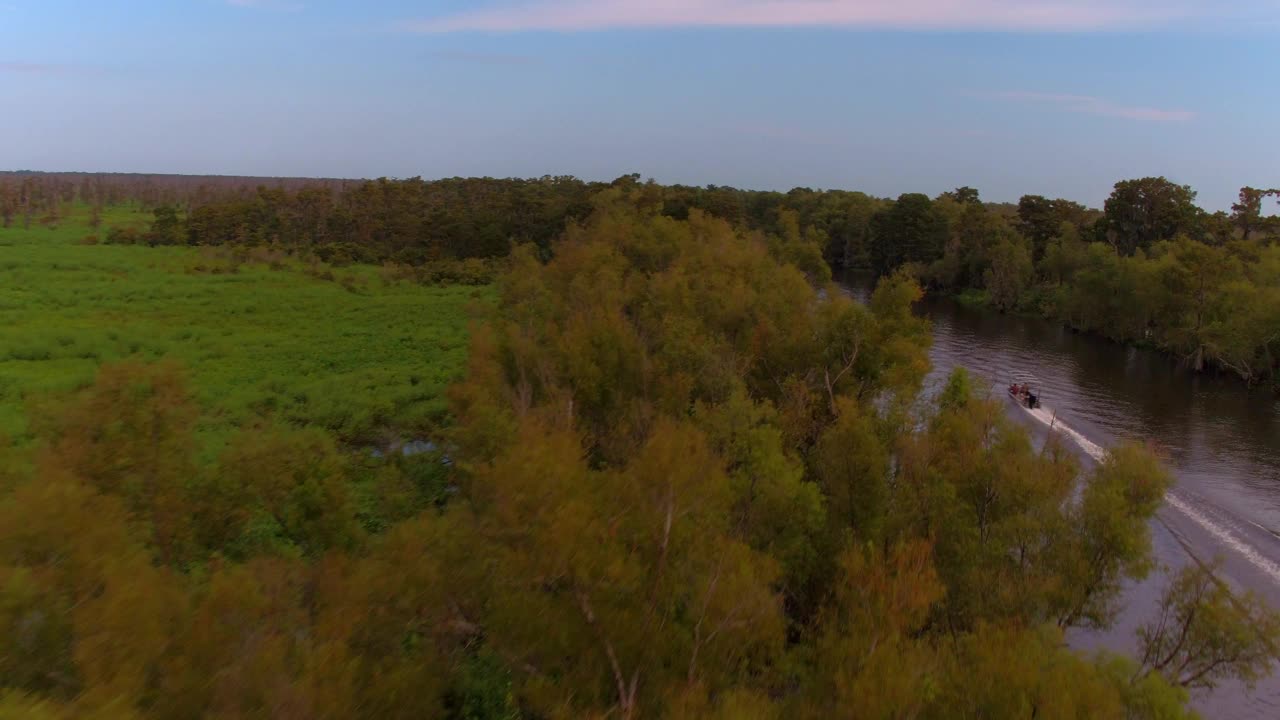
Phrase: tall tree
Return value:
(1040, 219)
(1246, 213)
(964, 195)
(1144, 211)
(910, 230)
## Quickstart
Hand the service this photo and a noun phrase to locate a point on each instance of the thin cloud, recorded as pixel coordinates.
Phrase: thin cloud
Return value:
(1096, 106)
(481, 58)
(1006, 15)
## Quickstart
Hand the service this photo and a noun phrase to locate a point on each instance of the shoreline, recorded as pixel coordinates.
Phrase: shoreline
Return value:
(978, 301)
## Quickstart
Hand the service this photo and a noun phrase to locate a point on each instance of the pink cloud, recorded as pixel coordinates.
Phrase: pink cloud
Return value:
(1097, 106)
(1053, 15)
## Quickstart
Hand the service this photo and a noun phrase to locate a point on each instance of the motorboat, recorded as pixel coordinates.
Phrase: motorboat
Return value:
(1022, 393)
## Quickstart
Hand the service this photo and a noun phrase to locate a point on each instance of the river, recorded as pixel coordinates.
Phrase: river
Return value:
(1221, 440)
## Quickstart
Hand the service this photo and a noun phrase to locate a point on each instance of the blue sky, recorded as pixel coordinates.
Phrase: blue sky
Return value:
(1059, 98)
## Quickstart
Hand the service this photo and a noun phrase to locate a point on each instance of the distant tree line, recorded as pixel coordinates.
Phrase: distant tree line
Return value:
(151, 190)
(408, 221)
(1150, 267)
(415, 221)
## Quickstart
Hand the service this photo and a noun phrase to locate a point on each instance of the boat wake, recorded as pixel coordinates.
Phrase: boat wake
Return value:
(1215, 521)
(1092, 449)
(1226, 536)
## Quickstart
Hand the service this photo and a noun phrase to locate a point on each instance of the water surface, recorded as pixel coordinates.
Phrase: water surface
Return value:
(1221, 439)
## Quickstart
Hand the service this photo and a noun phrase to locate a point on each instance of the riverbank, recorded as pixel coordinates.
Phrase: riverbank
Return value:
(1217, 437)
(980, 300)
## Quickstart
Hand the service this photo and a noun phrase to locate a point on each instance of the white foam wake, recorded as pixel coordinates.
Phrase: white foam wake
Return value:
(1095, 451)
(1223, 534)
(1227, 537)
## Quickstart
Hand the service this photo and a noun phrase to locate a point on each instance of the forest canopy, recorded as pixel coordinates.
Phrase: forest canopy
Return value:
(685, 476)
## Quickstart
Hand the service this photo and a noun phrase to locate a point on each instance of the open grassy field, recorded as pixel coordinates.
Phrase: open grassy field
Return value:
(341, 348)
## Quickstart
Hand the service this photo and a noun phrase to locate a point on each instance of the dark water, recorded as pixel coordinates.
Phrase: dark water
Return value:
(1221, 440)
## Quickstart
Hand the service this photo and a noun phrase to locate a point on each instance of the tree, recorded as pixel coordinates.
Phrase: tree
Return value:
(869, 656)
(53, 213)
(1040, 220)
(252, 644)
(1010, 274)
(483, 691)
(803, 250)
(1217, 229)
(964, 196)
(1247, 212)
(974, 233)
(8, 204)
(910, 230)
(1203, 634)
(1144, 211)
(1063, 256)
(275, 489)
(15, 705)
(27, 201)
(1007, 671)
(1191, 277)
(167, 228)
(1244, 335)
(86, 613)
(852, 467)
(131, 435)
(995, 508)
(774, 508)
(1111, 540)
(613, 559)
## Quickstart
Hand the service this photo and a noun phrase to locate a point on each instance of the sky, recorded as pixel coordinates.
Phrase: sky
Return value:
(1059, 97)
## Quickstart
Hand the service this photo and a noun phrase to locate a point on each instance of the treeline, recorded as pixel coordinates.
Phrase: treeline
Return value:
(22, 189)
(409, 221)
(46, 199)
(416, 221)
(1151, 268)
(688, 479)
(405, 221)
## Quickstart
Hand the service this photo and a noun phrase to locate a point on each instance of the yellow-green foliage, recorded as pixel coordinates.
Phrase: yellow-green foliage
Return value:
(692, 480)
(340, 348)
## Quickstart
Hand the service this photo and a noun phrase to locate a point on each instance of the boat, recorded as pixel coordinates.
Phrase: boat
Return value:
(1023, 394)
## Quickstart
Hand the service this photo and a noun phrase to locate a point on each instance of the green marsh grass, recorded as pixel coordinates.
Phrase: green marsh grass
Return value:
(338, 348)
